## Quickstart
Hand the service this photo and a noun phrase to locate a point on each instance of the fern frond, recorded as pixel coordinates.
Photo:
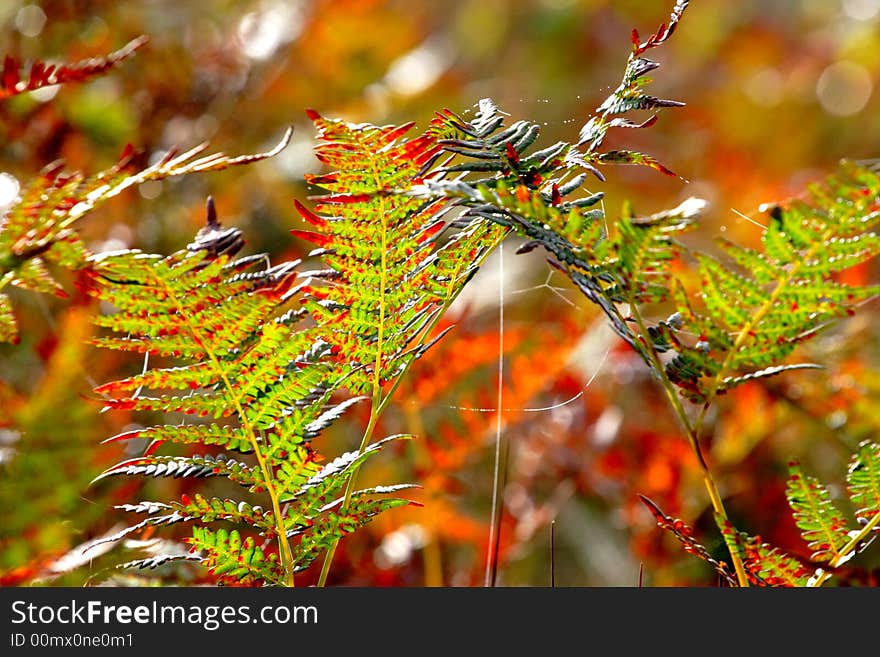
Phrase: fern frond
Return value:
(663, 33)
(245, 357)
(151, 563)
(822, 525)
(629, 96)
(494, 171)
(863, 483)
(14, 81)
(338, 520)
(757, 315)
(39, 228)
(684, 533)
(198, 466)
(764, 564)
(227, 437)
(242, 560)
(645, 248)
(312, 491)
(631, 265)
(387, 277)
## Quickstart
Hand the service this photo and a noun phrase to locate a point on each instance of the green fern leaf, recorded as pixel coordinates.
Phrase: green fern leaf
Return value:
(645, 248)
(388, 278)
(863, 482)
(245, 358)
(764, 564)
(243, 560)
(784, 295)
(823, 526)
(227, 437)
(338, 520)
(312, 491)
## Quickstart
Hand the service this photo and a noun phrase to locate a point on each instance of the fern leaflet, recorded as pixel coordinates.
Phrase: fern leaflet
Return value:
(863, 482)
(14, 82)
(823, 527)
(39, 229)
(821, 523)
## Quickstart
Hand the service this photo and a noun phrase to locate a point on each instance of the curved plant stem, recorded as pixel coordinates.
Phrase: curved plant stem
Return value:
(692, 433)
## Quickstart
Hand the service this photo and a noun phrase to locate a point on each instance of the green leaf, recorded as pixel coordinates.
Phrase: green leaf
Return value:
(863, 481)
(336, 522)
(226, 554)
(757, 314)
(764, 564)
(823, 526)
(386, 276)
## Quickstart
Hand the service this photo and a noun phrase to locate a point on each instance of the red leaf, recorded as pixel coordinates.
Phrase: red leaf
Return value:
(343, 198)
(431, 230)
(309, 216)
(327, 179)
(397, 132)
(512, 155)
(310, 236)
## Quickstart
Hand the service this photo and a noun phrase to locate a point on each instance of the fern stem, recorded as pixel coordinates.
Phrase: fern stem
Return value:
(738, 343)
(691, 432)
(285, 553)
(349, 488)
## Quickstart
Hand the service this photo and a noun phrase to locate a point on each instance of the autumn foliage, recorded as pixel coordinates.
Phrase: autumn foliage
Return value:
(406, 337)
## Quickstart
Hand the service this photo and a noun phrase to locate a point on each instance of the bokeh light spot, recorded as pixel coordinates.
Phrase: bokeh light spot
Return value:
(30, 20)
(844, 88)
(861, 10)
(8, 191)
